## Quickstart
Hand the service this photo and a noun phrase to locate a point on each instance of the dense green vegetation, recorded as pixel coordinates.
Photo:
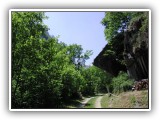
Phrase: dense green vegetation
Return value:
(121, 83)
(47, 73)
(116, 24)
(136, 99)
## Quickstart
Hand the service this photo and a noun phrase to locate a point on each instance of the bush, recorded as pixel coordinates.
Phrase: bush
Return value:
(121, 83)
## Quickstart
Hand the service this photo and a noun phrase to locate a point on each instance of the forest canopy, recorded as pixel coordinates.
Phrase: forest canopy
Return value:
(47, 73)
(127, 34)
(116, 22)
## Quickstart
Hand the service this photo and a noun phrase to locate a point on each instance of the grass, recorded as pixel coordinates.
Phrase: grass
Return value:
(105, 101)
(136, 99)
(132, 100)
(91, 103)
(143, 101)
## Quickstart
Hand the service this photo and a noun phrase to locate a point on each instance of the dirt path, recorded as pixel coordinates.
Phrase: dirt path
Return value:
(84, 102)
(98, 102)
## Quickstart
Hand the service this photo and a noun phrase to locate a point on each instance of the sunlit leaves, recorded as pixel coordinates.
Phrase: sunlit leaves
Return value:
(121, 83)
(46, 72)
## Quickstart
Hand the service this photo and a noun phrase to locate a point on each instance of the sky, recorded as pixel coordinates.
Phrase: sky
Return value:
(82, 28)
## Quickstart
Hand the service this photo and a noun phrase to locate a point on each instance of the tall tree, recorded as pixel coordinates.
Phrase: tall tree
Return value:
(116, 22)
(26, 28)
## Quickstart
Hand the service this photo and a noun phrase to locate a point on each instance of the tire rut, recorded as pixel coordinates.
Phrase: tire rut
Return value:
(98, 102)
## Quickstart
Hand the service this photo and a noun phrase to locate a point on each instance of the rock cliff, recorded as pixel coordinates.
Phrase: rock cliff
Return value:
(128, 52)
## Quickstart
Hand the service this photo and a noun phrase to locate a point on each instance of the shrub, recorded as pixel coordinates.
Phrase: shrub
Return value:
(121, 83)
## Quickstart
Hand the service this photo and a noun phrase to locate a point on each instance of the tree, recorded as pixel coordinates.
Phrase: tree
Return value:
(77, 56)
(95, 80)
(116, 22)
(45, 72)
(127, 36)
(26, 28)
(121, 83)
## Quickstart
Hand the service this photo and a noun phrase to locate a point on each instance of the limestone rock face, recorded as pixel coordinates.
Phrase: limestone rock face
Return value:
(111, 56)
(128, 52)
(136, 52)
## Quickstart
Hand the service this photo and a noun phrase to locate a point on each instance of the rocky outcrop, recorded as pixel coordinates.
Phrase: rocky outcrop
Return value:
(109, 59)
(136, 51)
(127, 52)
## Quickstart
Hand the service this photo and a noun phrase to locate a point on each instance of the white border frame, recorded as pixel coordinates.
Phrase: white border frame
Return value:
(79, 10)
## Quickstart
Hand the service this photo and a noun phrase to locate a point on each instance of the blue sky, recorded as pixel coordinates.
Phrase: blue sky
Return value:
(83, 28)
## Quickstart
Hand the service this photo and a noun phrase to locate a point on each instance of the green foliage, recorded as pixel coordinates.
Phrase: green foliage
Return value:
(109, 53)
(72, 82)
(121, 83)
(133, 100)
(45, 72)
(116, 22)
(96, 80)
(139, 16)
(140, 25)
(91, 80)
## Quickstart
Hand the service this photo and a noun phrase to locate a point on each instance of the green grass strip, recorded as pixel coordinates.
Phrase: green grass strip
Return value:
(105, 101)
(91, 103)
